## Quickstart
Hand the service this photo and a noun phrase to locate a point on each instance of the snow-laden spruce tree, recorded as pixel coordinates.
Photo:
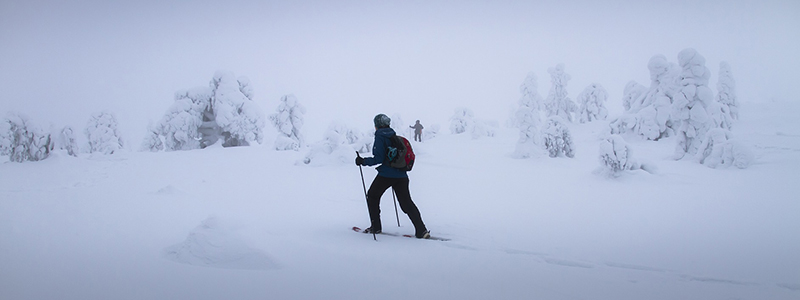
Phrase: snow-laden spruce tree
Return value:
(238, 117)
(649, 115)
(430, 132)
(484, 128)
(337, 146)
(719, 149)
(557, 102)
(633, 93)
(726, 94)
(591, 103)
(152, 141)
(557, 138)
(400, 127)
(530, 99)
(66, 141)
(201, 116)
(289, 121)
(691, 104)
(102, 133)
(179, 125)
(22, 141)
(616, 157)
(462, 120)
(527, 118)
(5, 137)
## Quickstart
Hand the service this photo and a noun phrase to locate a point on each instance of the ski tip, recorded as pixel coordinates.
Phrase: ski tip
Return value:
(356, 229)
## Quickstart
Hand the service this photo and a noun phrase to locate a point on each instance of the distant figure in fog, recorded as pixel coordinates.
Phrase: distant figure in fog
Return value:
(417, 131)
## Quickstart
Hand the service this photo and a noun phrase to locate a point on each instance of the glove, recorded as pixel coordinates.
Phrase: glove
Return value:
(359, 161)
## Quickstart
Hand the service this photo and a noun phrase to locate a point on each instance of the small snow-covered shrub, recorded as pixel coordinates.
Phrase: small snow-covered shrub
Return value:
(289, 120)
(102, 134)
(557, 139)
(616, 156)
(591, 103)
(66, 141)
(721, 150)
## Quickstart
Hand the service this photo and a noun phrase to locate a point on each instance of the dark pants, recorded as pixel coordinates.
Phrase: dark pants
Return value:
(418, 136)
(400, 186)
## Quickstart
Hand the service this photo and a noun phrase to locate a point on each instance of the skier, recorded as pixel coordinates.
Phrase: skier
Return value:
(417, 131)
(388, 177)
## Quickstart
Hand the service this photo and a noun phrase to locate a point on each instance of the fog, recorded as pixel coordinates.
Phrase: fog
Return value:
(349, 60)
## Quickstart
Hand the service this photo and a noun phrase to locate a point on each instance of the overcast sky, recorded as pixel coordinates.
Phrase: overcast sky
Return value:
(61, 61)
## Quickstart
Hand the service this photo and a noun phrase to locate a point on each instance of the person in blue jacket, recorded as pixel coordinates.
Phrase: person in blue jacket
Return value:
(388, 177)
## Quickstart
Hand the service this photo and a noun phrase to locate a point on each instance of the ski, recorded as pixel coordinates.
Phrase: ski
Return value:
(359, 230)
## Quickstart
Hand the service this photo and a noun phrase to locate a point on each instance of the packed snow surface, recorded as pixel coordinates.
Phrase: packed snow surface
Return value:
(252, 223)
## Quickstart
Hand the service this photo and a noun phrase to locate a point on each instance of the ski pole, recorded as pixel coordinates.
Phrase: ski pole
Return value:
(365, 194)
(396, 215)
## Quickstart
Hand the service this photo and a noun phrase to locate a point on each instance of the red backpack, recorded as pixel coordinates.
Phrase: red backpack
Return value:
(400, 154)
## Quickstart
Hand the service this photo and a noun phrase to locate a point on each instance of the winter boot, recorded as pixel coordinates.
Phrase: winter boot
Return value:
(370, 230)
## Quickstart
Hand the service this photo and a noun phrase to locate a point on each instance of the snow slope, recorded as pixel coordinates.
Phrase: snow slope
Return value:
(247, 223)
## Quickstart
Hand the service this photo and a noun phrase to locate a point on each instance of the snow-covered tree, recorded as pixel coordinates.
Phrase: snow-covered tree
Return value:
(557, 138)
(338, 145)
(102, 134)
(592, 103)
(691, 104)
(529, 137)
(23, 141)
(289, 121)
(462, 120)
(66, 141)
(649, 116)
(529, 89)
(616, 156)
(557, 102)
(237, 116)
(527, 118)
(719, 149)
(633, 95)
(482, 128)
(726, 92)
(400, 127)
(152, 141)
(179, 126)
(201, 116)
(431, 131)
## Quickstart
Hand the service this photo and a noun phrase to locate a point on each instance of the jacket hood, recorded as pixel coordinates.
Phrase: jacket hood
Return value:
(385, 132)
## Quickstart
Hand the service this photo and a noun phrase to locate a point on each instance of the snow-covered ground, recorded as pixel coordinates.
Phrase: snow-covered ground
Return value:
(248, 223)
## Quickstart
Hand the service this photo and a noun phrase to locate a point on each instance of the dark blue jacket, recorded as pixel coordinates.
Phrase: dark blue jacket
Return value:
(382, 142)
